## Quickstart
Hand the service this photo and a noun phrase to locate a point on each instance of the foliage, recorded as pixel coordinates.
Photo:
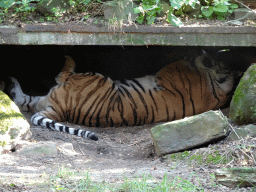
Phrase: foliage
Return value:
(219, 9)
(180, 8)
(148, 10)
(70, 180)
(213, 9)
(16, 8)
(80, 5)
(19, 6)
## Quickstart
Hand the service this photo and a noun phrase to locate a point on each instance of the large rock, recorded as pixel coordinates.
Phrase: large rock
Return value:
(13, 125)
(243, 104)
(189, 132)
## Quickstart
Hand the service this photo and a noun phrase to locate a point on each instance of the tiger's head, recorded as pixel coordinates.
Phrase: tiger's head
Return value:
(220, 69)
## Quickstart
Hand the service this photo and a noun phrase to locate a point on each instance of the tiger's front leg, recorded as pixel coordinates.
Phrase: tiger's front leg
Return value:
(25, 102)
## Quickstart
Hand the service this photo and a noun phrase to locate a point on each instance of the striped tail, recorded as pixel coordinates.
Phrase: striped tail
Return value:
(51, 124)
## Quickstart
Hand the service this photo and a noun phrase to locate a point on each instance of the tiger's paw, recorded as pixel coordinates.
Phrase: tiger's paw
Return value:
(12, 87)
(14, 90)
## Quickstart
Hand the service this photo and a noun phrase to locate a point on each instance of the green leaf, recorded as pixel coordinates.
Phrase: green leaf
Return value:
(230, 10)
(221, 8)
(150, 19)
(151, 13)
(140, 19)
(174, 20)
(176, 4)
(207, 11)
(233, 6)
(221, 14)
(6, 4)
(86, 16)
(137, 10)
(146, 7)
(193, 3)
(171, 10)
(179, 12)
(158, 10)
(2, 5)
(220, 17)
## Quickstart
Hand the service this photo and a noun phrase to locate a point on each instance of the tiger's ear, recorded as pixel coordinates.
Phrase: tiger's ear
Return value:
(67, 70)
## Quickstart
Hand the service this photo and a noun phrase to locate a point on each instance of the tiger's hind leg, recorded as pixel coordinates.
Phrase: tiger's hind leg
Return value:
(67, 70)
(40, 120)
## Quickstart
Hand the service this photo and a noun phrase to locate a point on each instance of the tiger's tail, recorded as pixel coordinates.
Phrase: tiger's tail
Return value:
(40, 120)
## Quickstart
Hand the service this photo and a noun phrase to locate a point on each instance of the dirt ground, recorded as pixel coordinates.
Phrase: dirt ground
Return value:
(120, 153)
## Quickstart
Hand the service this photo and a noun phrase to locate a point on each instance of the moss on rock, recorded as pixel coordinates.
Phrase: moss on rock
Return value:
(13, 125)
(243, 104)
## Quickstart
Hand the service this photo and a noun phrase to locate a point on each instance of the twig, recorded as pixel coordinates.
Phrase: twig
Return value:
(81, 151)
(244, 5)
(250, 157)
(240, 138)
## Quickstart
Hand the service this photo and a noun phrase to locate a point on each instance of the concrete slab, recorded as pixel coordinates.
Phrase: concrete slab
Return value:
(132, 35)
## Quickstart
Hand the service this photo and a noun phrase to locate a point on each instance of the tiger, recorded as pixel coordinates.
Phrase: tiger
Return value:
(180, 89)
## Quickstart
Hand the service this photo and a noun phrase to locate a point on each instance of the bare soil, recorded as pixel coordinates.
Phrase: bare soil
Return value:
(121, 152)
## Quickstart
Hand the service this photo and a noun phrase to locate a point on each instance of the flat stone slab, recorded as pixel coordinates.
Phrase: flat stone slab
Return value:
(81, 34)
(236, 177)
(189, 132)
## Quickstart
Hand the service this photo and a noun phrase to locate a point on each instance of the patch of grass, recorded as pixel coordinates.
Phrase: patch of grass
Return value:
(69, 180)
(212, 158)
(200, 156)
(167, 184)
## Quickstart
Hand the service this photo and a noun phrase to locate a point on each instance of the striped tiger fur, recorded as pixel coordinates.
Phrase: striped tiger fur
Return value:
(178, 90)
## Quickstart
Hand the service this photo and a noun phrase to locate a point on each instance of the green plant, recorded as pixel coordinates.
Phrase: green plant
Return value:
(148, 10)
(82, 5)
(219, 9)
(6, 4)
(180, 8)
(23, 6)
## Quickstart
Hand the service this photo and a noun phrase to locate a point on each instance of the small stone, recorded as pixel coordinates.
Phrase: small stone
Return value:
(48, 149)
(67, 149)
